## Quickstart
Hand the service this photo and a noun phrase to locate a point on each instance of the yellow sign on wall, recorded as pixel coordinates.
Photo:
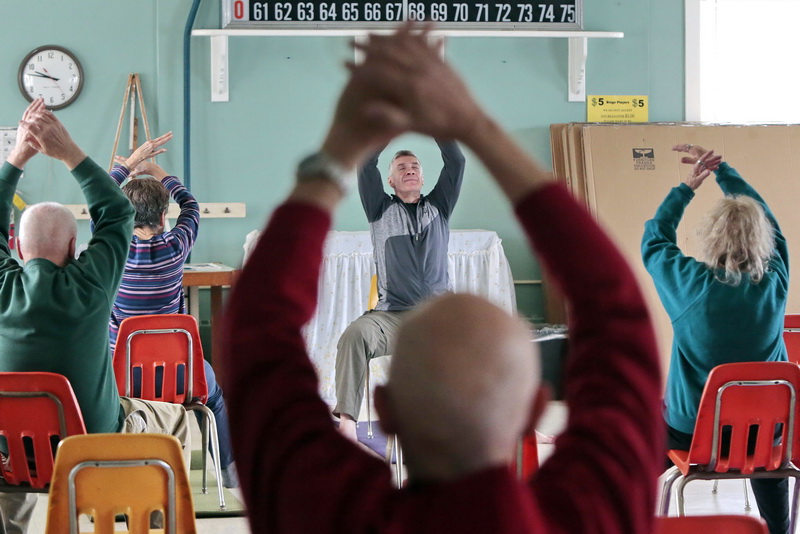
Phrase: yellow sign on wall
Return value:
(616, 108)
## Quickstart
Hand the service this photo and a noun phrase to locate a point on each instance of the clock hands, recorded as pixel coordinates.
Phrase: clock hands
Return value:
(42, 75)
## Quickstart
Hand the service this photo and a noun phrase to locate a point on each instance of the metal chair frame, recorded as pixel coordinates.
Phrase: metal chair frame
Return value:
(171, 518)
(706, 472)
(209, 429)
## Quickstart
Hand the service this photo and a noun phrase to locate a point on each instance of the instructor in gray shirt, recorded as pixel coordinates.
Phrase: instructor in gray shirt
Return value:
(410, 233)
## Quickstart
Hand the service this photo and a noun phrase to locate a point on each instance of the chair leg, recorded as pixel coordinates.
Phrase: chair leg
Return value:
(795, 503)
(681, 501)
(369, 402)
(747, 507)
(211, 423)
(666, 491)
(204, 441)
(399, 464)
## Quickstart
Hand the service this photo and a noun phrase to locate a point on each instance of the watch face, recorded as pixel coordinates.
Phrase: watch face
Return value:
(53, 73)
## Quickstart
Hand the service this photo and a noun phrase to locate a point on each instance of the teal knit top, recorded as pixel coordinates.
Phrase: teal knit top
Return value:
(712, 322)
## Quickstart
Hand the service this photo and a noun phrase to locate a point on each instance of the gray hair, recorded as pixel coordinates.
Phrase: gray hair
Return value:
(400, 154)
(149, 198)
(737, 239)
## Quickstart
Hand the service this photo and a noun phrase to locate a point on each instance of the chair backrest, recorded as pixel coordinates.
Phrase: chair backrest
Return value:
(37, 410)
(154, 354)
(704, 524)
(373, 293)
(791, 336)
(744, 398)
(104, 475)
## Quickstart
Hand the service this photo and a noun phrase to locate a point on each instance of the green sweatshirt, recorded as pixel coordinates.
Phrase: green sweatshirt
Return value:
(56, 318)
(712, 322)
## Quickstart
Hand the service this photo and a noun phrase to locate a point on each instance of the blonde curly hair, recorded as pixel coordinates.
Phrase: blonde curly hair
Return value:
(737, 239)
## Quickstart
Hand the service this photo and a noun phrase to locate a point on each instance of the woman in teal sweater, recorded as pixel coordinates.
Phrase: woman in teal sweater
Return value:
(727, 306)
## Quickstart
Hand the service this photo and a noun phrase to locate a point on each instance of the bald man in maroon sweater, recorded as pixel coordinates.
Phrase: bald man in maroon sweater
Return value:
(463, 386)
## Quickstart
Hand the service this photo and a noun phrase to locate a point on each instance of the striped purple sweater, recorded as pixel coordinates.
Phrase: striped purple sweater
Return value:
(152, 281)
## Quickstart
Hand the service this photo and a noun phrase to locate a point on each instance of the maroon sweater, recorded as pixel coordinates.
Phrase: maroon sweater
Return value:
(298, 475)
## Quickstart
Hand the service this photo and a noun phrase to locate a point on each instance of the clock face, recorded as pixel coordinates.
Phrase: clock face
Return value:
(53, 73)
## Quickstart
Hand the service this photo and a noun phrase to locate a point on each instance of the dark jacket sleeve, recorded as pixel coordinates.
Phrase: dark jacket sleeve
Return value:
(445, 193)
(370, 189)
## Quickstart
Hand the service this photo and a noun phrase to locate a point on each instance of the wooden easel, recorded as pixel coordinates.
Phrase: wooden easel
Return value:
(132, 90)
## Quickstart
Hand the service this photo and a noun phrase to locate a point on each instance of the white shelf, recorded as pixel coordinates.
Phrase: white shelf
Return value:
(345, 32)
(578, 49)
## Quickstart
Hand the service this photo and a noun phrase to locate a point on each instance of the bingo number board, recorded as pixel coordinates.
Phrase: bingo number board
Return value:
(363, 15)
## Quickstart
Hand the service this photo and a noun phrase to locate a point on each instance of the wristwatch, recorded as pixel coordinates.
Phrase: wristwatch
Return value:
(321, 165)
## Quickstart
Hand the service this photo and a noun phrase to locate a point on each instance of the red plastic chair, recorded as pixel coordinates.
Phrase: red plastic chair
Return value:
(704, 524)
(37, 410)
(160, 358)
(527, 462)
(740, 397)
(791, 336)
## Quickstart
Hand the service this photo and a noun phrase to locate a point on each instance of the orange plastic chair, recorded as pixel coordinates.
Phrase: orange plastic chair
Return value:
(742, 398)
(160, 358)
(791, 336)
(105, 475)
(37, 410)
(703, 524)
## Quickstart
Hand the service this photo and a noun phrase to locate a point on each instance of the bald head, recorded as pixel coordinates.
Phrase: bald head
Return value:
(47, 230)
(461, 387)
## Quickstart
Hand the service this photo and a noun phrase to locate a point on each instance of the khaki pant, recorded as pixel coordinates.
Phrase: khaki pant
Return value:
(370, 336)
(140, 417)
(154, 417)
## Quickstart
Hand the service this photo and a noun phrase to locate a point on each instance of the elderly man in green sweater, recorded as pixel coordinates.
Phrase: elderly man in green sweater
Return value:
(54, 309)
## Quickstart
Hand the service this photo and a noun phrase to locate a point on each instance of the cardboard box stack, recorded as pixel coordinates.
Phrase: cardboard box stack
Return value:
(623, 172)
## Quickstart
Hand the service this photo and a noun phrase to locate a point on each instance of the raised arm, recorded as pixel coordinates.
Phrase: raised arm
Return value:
(607, 460)
(448, 187)
(676, 275)
(188, 223)
(287, 449)
(370, 188)
(732, 183)
(11, 171)
(105, 256)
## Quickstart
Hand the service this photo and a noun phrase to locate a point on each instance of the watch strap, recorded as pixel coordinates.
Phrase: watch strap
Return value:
(321, 165)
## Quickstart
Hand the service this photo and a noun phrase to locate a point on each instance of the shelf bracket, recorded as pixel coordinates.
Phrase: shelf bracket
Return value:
(578, 50)
(219, 68)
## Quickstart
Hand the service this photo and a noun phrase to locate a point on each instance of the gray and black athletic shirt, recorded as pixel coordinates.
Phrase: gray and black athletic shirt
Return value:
(410, 241)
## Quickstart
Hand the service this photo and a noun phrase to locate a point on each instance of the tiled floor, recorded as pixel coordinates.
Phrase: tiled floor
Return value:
(700, 501)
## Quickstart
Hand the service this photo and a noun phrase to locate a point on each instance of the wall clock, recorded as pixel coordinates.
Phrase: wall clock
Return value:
(53, 73)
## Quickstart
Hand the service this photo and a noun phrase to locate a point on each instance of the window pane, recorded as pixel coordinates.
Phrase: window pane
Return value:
(748, 60)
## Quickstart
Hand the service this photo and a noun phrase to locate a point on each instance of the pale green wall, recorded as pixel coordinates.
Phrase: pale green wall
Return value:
(282, 91)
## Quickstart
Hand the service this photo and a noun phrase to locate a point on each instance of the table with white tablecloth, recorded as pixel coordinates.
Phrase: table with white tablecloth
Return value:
(476, 264)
